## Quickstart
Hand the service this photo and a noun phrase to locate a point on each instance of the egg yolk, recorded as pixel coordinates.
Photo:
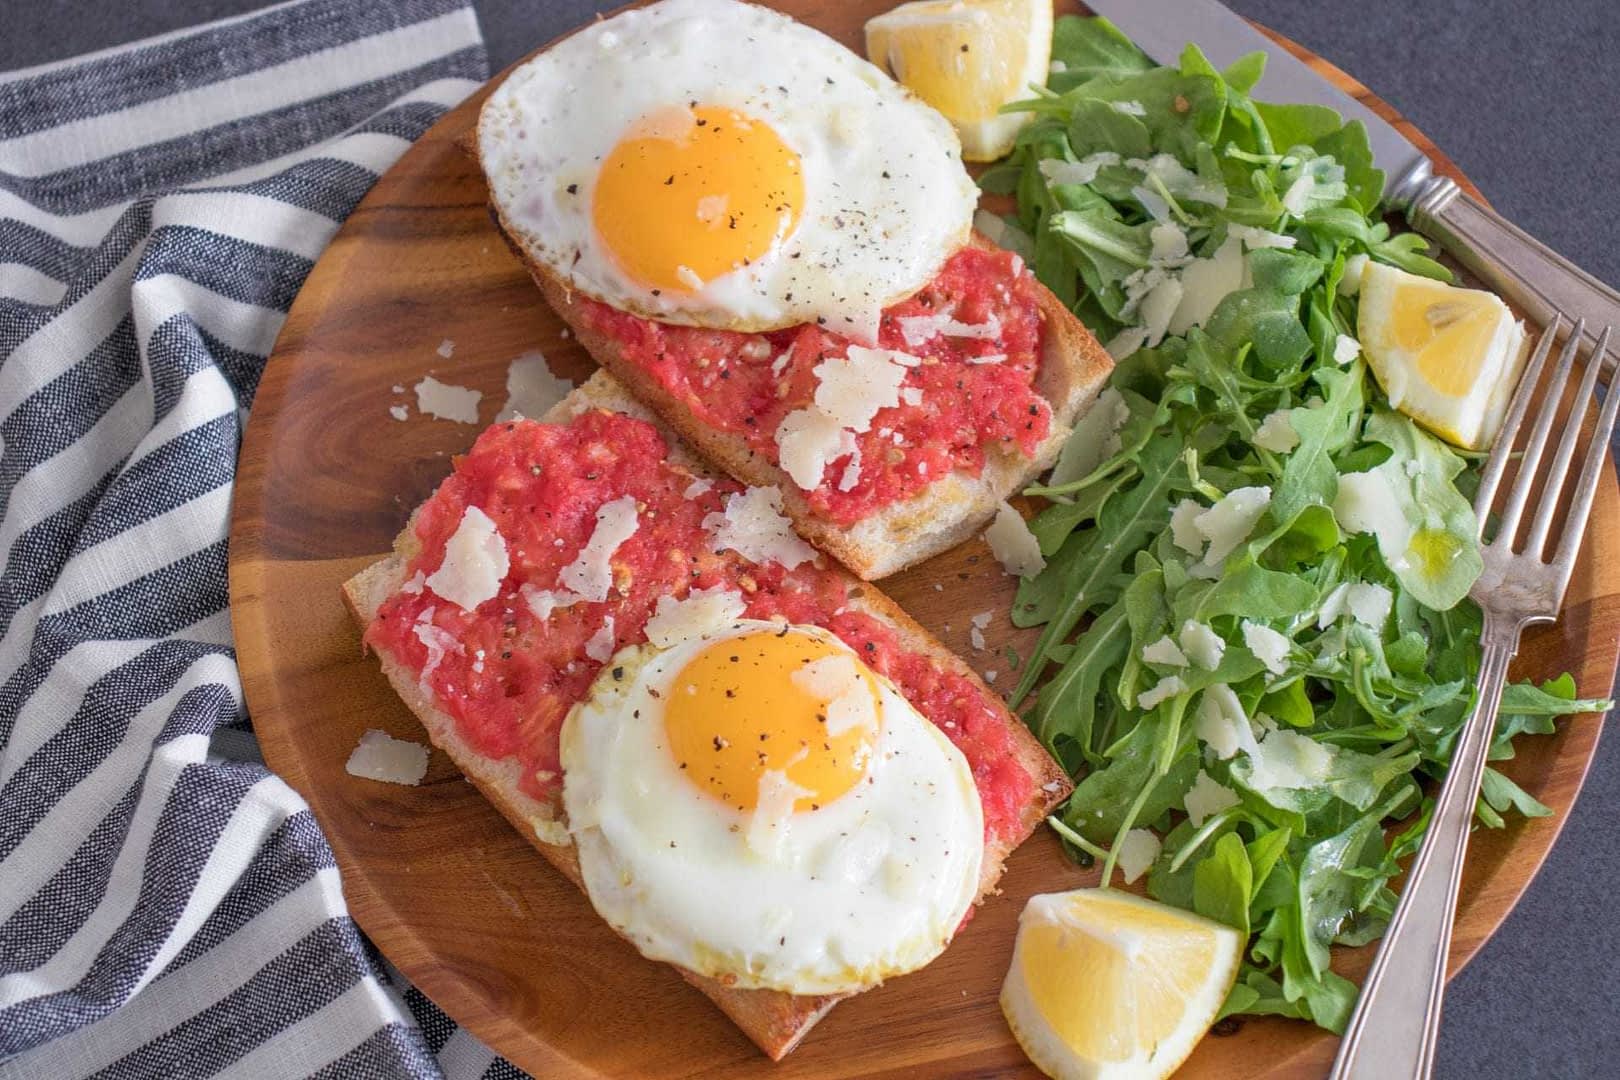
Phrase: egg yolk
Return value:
(691, 194)
(735, 711)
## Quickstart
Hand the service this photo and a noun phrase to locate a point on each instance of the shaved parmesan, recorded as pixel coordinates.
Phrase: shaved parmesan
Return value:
(1202, 644)
(987, 358)
(976, 627)
(1350, 283)
(911, 395)
(1276, 432)
(1166, 688)
(1164, 651)
(438, 642)
(1367, 603)
(1126, 342)
(1169, 242)
(1222, 724)
(1345, 349)
(591, 573)
(753, 527)
(446, 348)
(531, 388)
(837, 681)
(1083, 171)
(447, 402)
(854, 389)
(1269, 646)
(544, 601)
(1183, 528)
(380, 756)
(1367, 502)
(1205, 283)
(399, 412)
(1013, 545)
(1156, 205)
(807, 441)
(697, 487)
(1255, 238)
(1157, 308)
(600, 647)
(1094, 439)
(1181, 181)
(780, 364)
(1288, 760)
(1206, 798)
(699, 612)
(852, 471)
(1229, 522)
(1137, 852)
(475, 562)
(921, 329)
(1297, 199)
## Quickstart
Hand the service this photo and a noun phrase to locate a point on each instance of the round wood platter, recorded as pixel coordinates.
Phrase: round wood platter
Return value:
(450, 893)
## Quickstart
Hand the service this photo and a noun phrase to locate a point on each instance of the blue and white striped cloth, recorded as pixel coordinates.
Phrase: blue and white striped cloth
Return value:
(167, 906)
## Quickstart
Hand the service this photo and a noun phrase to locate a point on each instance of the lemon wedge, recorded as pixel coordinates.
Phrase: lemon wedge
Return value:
(967, 58)
(1447, 357)
(1104, 984)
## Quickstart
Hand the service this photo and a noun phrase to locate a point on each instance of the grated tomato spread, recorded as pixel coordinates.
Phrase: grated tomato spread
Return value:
(508, 677)
(745, 384)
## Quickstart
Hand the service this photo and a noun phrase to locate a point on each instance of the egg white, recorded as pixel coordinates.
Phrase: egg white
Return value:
(887, 198)
(872, 884)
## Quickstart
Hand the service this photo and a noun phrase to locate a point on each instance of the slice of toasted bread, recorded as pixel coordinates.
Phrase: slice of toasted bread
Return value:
(774, 1020)
(1073, 368)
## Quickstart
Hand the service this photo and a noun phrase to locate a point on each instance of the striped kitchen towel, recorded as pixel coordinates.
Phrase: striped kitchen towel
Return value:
(167, 907)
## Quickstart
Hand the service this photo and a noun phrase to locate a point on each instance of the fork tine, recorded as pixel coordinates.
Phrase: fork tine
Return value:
(1586, 489)
(1502, 450)
(1530, 464)
(1558, 474)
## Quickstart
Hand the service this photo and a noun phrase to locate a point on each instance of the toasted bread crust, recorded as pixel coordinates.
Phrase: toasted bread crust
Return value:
(774, 1020)
(1072, 370)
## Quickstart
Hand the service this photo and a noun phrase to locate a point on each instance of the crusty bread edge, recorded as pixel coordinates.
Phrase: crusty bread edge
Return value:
(774, 1020)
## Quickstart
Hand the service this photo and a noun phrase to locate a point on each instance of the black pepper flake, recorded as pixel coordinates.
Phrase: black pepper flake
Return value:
(618, 673)
(670, 180)
(871, 646)
(733, 693)
(573, 189)
(720, 743)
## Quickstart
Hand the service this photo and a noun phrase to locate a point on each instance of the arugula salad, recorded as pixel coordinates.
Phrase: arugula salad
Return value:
(1257, 641)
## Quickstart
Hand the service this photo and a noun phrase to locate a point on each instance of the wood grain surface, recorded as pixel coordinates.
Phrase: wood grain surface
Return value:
(458, 900)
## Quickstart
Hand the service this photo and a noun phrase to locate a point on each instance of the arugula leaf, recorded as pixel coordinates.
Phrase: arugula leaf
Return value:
(1223, 882)
(1327, 672)
(1087, 48)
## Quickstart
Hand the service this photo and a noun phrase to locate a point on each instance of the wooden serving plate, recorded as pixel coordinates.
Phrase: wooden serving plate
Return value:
(455, 897)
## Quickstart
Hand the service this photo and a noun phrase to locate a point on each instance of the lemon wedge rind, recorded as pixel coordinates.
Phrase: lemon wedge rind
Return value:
(1448, 357)
(1105, 985)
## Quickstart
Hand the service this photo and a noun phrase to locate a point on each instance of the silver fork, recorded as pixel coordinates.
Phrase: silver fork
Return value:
(1397, 1020)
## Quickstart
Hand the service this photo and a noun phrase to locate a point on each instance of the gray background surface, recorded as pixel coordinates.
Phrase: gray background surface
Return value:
(1523, 96)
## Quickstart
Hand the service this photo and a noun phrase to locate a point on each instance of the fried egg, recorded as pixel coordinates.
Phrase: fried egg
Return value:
(712, 163)
(758, 806)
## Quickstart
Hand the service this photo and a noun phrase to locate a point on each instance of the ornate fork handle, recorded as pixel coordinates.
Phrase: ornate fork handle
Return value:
(1394, 1031)
(1508, 259)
